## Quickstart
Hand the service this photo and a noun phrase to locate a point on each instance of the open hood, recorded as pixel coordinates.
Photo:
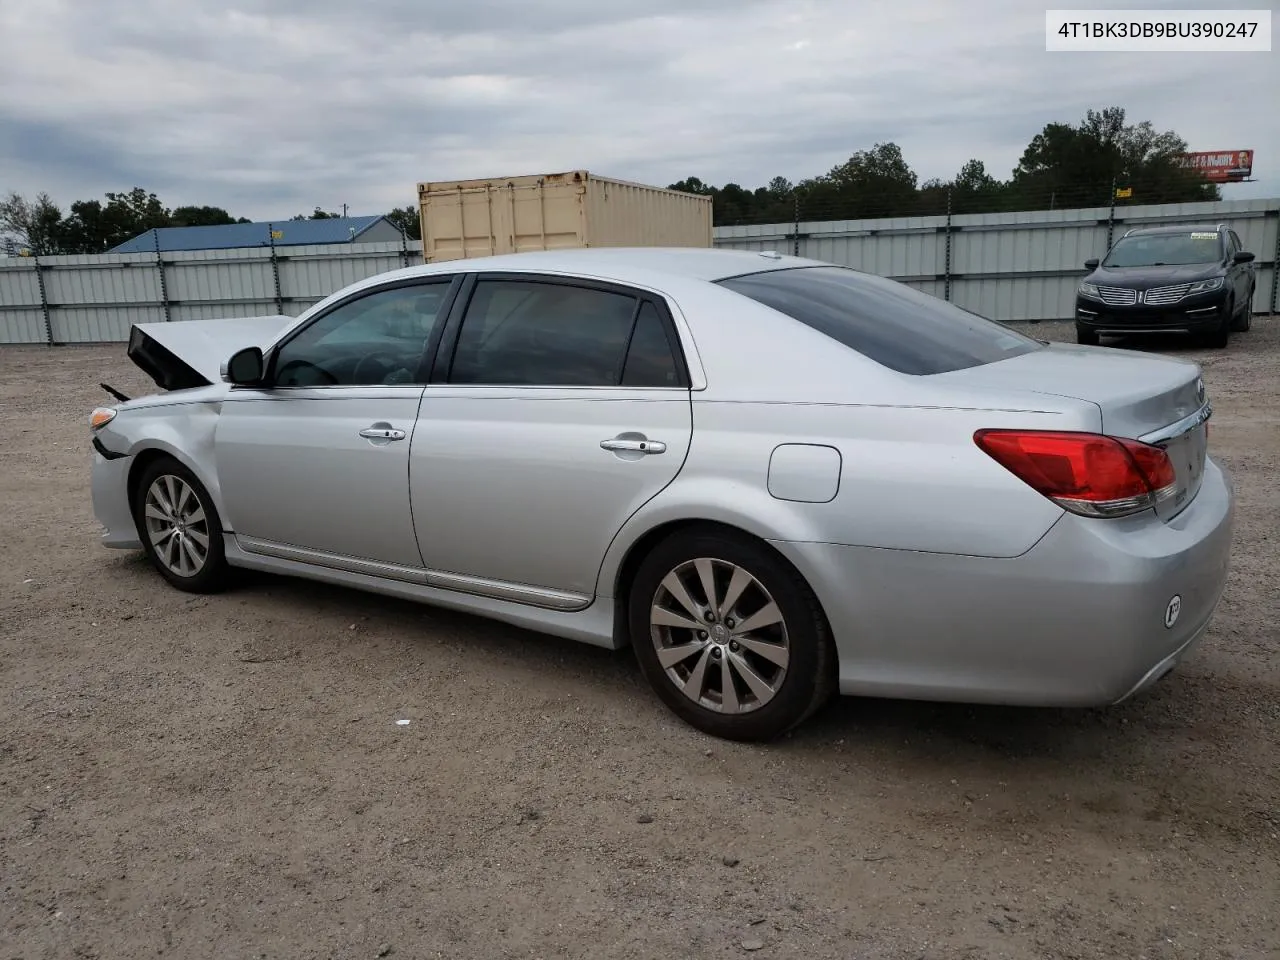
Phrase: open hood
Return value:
(190, 353)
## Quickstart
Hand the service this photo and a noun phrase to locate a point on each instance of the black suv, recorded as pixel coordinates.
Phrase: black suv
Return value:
(1159, 279)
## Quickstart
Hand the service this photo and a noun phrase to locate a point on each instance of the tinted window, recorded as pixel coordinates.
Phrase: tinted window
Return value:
(889, 322)
(1166, 249)
(650, 362)
(524, 333)
(378, 338)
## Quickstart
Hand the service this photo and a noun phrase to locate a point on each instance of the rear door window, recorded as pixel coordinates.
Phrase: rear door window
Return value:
(552, 334)
(895, 325)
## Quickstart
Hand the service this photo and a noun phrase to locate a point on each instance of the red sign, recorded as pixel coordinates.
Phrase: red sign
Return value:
(1221, 166)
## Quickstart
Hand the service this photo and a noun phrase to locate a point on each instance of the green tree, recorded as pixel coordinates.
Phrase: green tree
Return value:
(33, 226)
(201, 217)
(407, 221)
(1076, 165)
(317, 214)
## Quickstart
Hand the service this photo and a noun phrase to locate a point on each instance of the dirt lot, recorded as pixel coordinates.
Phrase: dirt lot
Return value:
(224, 777)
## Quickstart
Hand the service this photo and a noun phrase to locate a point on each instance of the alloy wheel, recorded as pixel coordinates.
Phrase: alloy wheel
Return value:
(177, 525)
(720, 636)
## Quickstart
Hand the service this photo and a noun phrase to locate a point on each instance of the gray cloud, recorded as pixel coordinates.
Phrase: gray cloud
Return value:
(269, 107)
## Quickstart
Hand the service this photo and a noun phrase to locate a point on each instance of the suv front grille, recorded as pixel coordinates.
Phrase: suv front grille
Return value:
(1161, 296)
(1118, 296)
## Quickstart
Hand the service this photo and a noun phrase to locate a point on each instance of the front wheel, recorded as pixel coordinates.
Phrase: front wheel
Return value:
(1219, 338)
(1244, 320)
(730, 637)
(1087, 337)
(180, 528)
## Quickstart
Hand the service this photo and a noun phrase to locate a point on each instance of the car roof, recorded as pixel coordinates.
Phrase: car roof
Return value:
(1180, 228)
(636, 264)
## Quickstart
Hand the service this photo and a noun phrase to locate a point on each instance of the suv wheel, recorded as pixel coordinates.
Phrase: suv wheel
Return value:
(1087, 337)
(1244, 319)
(1218, 339)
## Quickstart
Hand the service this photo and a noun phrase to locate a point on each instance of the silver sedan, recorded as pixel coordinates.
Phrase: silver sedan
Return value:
(774, 478)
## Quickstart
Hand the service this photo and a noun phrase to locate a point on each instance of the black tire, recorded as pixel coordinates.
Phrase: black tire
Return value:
(213, 575)
(809, 678)
(1088, 338)
(1244, 319)
(1219, 338)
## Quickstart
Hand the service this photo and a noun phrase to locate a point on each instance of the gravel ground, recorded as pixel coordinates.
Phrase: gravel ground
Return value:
(225, 777)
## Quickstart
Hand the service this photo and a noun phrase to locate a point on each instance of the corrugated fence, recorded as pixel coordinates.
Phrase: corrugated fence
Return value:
(1009, 266)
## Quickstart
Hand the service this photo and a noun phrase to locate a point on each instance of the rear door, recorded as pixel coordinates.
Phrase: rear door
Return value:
(559, 407)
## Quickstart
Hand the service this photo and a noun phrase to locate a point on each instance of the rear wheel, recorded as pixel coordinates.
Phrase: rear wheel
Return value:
(1087, 337)
(180, 528)
(730, 637)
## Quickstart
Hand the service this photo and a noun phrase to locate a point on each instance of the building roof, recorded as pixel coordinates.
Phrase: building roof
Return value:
(228, 236)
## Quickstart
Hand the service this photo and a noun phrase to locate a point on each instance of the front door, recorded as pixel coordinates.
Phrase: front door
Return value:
(564, 409)
(315, 465)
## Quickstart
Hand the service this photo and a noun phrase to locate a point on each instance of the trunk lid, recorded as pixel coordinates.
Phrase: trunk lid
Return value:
(1142, 397)
(190, 353)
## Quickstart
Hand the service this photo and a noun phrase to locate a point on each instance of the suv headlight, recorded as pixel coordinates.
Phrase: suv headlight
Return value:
(1090, 290)
(1204, 286)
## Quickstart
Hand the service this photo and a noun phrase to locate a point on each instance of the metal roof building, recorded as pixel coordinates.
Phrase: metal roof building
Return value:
(291, 233)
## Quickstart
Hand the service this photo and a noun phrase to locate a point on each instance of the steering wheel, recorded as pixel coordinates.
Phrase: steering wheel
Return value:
(388, 362)
(329, 378)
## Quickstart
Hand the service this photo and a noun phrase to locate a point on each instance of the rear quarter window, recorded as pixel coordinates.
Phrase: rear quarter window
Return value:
(888, 322)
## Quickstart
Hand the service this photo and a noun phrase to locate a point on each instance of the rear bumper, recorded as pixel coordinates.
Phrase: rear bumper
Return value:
(110, 488)
(1078, 620)
(1200, 315)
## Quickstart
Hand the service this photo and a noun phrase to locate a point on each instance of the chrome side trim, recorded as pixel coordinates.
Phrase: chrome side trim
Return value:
(501, 590)
(1184, 425)
(460, 583)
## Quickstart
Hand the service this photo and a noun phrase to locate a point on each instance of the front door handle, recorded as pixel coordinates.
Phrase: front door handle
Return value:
(634, 446)
(382, 433)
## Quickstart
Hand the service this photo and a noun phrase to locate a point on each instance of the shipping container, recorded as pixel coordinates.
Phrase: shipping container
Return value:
(554, 211)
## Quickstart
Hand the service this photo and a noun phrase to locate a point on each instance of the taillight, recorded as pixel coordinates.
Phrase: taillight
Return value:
(1087, 473)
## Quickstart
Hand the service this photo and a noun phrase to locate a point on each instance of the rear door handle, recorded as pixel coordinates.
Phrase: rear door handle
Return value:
(382, 433)
(634, 446)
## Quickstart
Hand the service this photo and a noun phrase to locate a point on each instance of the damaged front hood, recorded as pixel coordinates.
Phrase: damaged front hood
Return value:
(190, 353)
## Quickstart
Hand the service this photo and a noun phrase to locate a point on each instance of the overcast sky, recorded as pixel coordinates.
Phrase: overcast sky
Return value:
(271, 107)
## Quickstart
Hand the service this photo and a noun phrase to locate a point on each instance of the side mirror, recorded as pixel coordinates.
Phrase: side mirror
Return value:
(245, 368)
(1092, 264)
(1243, 256)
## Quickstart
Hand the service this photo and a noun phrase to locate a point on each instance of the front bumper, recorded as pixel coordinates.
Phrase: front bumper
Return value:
(1204, 314)
(1078, 620)
(109, 484)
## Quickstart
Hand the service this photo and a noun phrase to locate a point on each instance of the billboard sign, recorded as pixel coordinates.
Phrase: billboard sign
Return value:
(1221, 166)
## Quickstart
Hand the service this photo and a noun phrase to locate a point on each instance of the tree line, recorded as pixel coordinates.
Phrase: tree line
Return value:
(1091, 163)
(1065, 165)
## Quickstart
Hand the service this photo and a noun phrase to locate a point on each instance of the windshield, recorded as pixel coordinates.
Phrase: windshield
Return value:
(893, 324)
(1166, 249)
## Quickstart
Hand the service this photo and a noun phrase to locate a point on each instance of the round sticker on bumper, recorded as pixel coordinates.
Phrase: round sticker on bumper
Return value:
(1172, 610)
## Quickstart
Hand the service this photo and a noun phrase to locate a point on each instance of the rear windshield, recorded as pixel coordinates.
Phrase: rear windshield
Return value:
(889, 322)
(1166, 249)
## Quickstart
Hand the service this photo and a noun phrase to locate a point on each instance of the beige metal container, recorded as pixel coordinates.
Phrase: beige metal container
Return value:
(554, 211)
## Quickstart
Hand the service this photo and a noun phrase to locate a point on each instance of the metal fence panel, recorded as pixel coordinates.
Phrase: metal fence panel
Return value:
(1009, 266)
(22, 326)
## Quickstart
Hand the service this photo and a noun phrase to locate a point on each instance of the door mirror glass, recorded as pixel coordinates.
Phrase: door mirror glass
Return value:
(1243, 256)
(1091, 264)
(245, 367)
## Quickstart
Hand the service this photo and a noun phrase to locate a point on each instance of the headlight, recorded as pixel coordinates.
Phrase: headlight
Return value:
(101, 417)
(1089, 290)
(1204, 286)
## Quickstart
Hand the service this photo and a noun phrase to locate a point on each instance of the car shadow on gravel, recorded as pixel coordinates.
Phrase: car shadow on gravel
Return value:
(940, 730)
